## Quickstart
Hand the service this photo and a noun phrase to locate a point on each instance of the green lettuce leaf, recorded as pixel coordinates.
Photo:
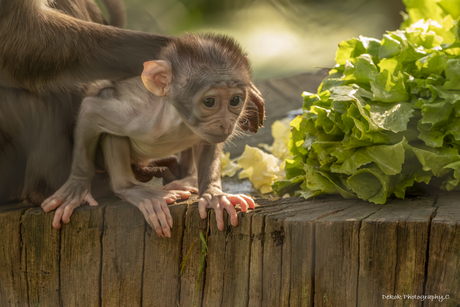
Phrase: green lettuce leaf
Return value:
(388, 115)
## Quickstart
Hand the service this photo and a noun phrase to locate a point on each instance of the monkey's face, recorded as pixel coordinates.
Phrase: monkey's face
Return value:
(213, 114)
(209, 100)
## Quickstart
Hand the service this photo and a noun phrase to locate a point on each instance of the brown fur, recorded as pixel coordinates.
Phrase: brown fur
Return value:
(49, 51)
(193, 55)
(53, 50)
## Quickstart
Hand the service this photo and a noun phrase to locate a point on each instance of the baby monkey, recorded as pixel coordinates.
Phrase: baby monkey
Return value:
(189, 101)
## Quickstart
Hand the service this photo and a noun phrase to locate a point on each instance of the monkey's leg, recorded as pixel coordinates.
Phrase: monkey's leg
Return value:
(76, 190)
(166, 168)
(188, 176)
(152, 203)
(171, 168)
(207, 157)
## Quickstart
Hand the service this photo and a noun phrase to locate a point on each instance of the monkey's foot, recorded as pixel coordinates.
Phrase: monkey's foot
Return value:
(223, 201)
(71, 195)
(189, 183)
(154, 205)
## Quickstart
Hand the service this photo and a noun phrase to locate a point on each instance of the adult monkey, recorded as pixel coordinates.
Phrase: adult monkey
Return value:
(49, 51)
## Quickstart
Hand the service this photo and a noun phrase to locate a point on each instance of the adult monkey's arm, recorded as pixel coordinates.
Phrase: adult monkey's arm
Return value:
(42, 48)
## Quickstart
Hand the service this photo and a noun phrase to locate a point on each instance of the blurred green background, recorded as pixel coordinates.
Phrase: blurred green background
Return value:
(282, 37)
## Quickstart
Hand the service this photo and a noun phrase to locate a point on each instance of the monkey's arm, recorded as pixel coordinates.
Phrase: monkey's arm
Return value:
(209, 184)
(76, 190)
(63, 51)
(152, 203)
(96, 116)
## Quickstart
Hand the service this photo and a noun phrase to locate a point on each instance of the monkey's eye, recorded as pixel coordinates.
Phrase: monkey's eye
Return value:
(209, 102)
(236, 101)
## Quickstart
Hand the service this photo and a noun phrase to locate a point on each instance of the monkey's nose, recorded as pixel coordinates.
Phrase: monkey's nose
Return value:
(225, 127)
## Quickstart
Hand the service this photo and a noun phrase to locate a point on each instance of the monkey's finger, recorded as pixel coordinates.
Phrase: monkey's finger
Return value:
(228, 206)
(90, 200)
(143, 209)
(249, 200)
(152, 216)
(192, 190)
(215, 203)
(166, 211)
(170, 198)
(52, 203)
(177, 194)
(184, 194)
(68, 210)
(162, 218)
(238, 199)
(57, 217)
(202, 206)
(45, 203)
(69, 206)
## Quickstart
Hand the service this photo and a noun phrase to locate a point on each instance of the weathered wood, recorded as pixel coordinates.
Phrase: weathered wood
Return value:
(80, 262)
(236, 269)
(278, 247)
(443, 275)
(306, 81)
(162, 258)
(215, 264)
(299, 257)
(273, 244)
(42, 253)
(290, 92)
(337, 255)
(286, 252)
(122, 256)
(191, 238)
(392, 254)
(13, 279)
(256, 268)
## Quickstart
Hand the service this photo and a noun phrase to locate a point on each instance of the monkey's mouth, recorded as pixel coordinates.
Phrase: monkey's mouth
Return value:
(215, 138)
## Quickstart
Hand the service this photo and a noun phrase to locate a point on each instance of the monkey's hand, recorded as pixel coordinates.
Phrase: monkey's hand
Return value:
(218, 200)
(154, 205)
(188, 183)
(71, 195)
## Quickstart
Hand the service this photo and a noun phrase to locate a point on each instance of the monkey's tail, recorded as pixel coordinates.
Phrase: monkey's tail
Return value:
(116, 12)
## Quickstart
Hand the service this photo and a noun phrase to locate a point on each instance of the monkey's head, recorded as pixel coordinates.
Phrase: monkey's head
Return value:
(208, 79)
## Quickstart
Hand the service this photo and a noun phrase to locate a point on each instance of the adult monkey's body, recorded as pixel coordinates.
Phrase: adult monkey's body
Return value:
(49, 51)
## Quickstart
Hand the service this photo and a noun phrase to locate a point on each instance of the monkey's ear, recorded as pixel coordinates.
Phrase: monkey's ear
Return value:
(157, 77)
(255, 111)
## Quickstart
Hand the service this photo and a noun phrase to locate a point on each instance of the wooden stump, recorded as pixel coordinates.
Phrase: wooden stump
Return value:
(286, 252)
